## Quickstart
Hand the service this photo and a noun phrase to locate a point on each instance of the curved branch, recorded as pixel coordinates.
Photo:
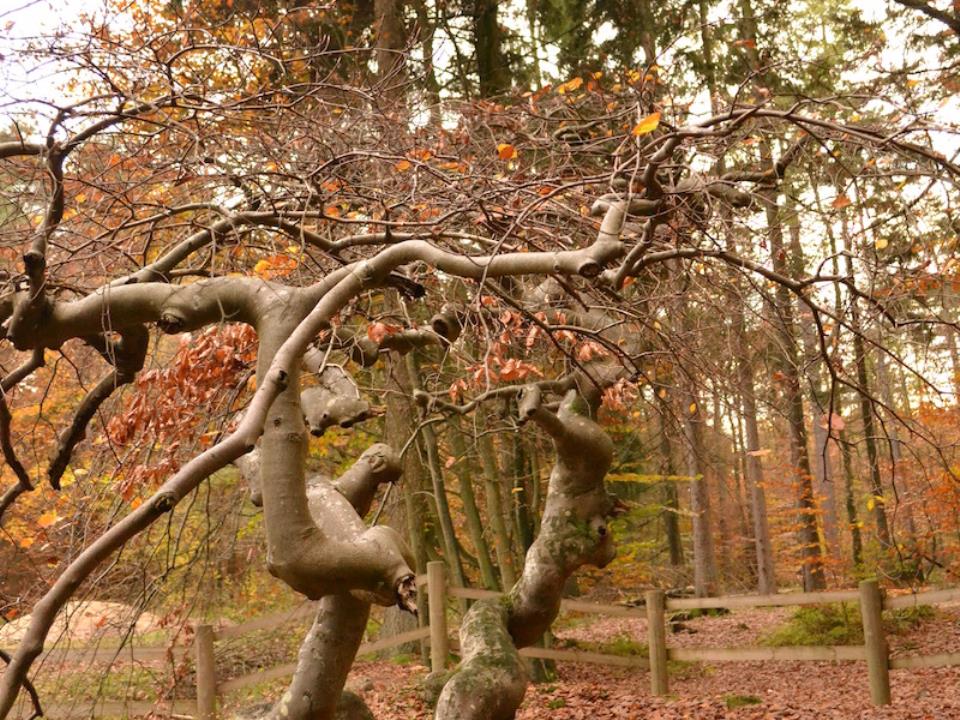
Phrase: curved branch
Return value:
(23, 484)
(127, 356)
(31, 690)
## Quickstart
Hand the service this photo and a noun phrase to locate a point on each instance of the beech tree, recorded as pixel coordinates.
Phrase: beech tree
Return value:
(565, 250)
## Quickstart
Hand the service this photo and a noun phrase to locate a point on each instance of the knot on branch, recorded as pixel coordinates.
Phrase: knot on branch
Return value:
(171, 322)
(164, 502)
(448, 323)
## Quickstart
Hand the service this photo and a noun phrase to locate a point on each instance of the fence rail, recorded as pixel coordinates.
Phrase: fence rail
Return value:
(437, 633)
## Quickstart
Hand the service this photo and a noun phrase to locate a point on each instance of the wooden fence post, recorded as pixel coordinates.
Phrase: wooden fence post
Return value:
(657, 641)
(206, 674)
(437, 590)
(878, 658)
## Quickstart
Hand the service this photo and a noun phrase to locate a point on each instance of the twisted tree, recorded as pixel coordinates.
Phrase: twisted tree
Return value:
(533, 244)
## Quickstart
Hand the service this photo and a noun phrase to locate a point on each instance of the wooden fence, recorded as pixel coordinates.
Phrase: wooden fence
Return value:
(869, 597)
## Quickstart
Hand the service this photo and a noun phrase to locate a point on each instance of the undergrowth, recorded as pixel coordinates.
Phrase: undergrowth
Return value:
(840, 624)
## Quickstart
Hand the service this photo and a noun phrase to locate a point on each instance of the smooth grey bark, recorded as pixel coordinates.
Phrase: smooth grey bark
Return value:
(490, 682)
(373, 562)
(327, 652)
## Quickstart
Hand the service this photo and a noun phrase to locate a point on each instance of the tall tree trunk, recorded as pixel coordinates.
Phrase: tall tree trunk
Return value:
(488, 43)
(671, 500)
(495, 511)
(390, 40)
(766, 570)
(488, 573)
(788, 365)
(867, 409)
(451, 550)
(704, 558)
(819, 399)
(856, 538)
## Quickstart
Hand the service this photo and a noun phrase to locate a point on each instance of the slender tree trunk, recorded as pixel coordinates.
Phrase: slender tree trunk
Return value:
(819, 399)
(488, 573)
(766, 570)
(856, 538)
(495, 511)
(867, 410)
(488, 39)
(451, 550)
(808, 536)
(391, 40)
(704, 559)
(671, 500)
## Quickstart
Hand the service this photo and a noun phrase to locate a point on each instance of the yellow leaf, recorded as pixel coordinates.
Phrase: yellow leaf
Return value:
(80, 199)
(692, 408)
(506, 151)
(403, 166)
(570, 86)
(48, 518)
(647, 125)
(881, 243)
(871, 504)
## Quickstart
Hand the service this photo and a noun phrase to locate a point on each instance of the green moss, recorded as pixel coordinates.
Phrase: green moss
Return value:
(837, 624)
(621, 645)
(557, 703)
(738, 701)
(840, 624)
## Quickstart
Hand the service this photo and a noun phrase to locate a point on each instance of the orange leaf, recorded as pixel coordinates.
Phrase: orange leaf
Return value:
(570, 86)
(842, 201)
(506, 151)
(403, 166)
(48, 518)
(647, 125)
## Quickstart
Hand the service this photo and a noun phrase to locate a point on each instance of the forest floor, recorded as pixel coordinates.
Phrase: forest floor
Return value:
(700, 691)
(748, 691)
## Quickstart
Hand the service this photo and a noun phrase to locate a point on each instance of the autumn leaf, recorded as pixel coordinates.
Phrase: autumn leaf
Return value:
(378, 331)
(49, 518)
(506, 151)
(842, 201)
(759, 453)
(881, 243)
(451, 461)
(745, 42)
(647, 125)
(403, 166)
(569, 86)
